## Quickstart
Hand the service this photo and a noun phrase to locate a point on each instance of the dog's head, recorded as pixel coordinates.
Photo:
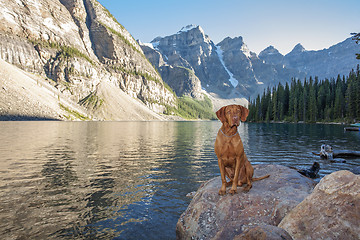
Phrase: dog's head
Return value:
(232, 114)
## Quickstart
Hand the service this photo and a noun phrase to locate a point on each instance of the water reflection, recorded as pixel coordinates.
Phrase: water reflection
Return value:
(99, 180)
(128, 180)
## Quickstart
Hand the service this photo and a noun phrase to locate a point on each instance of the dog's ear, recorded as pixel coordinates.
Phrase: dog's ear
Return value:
(244, 113)
(221, 114)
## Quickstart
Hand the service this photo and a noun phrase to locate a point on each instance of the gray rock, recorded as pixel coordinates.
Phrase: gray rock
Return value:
(331, 211)
(181, 79)
(211, 216)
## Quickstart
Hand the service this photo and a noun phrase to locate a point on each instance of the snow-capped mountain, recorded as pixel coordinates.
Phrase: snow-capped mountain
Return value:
(229, 69)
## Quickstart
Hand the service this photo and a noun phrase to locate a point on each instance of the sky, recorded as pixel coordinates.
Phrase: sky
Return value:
(316, 24)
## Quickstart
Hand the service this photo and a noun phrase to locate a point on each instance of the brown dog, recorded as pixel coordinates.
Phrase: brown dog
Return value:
(229, 149)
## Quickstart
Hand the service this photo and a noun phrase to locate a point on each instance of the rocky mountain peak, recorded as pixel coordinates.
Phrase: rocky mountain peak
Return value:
(271, 55)
(235, 44)
(298, 49)
(194, 31)
(270, 50)
(190, 27)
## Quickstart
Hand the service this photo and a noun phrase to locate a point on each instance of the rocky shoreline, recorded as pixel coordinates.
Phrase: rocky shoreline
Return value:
(287, 205)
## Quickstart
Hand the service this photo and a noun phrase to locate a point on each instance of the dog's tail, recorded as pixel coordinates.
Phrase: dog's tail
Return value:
(261, 178)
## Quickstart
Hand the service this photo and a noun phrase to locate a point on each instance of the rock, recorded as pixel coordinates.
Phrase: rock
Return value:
(211, 216)
(264, 232)
(79, 47)
(183, 81)
(331, 212)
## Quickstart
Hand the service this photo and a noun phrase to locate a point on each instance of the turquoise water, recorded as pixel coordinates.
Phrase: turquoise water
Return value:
(129, 180)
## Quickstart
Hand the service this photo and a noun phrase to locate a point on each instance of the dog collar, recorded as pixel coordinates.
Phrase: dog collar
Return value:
(227, 135)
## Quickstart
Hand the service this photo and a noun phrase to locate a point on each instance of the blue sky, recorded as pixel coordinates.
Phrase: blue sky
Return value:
(316, 24)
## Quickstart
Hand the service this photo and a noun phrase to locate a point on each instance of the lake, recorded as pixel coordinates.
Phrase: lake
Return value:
(129, 180)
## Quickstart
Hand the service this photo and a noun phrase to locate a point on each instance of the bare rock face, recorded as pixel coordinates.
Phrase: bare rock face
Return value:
(182, 80)
(332, 211)
(211, 216)
(191, 48)
(79, 47)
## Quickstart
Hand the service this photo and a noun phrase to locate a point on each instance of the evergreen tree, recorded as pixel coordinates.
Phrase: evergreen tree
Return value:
(292, 100)
(268, 116)
(275, 111)
(310, 101)
(351, 97)
(339, 100)
(280, 101)
(257, 109)
(286, 100)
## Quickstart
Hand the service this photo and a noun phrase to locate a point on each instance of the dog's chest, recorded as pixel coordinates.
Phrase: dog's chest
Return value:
(231, 148)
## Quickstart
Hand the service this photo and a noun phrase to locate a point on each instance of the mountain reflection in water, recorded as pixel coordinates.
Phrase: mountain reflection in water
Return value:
(129, 180)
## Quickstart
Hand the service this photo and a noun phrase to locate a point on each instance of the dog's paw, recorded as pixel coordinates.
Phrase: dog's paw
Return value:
(232, 191)
(246, 189)
(222, 192)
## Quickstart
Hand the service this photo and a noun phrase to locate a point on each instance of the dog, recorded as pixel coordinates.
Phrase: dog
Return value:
(229, 149)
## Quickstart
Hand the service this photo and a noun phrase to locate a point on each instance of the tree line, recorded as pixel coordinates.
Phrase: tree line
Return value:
(311, 100)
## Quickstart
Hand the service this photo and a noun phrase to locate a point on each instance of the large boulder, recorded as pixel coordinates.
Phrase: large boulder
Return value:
(332, 211)
(264, 232)
(211, 216)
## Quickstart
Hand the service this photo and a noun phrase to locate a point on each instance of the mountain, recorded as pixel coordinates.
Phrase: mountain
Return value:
(228, 70)
(326, 63)
(251, 73)
(190, 53)
(190, 48)
(271, 55)
(85, 56)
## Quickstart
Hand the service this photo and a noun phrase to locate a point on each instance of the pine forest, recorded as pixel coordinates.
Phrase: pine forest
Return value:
(311, 100)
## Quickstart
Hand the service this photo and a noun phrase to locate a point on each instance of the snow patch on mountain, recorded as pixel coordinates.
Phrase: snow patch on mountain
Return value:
(150, 45)
(187, 28)
(232, 80)
(245, 50)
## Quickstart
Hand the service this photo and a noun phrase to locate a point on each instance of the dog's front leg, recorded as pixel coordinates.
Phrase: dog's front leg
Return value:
(222, 190)
(236, 176)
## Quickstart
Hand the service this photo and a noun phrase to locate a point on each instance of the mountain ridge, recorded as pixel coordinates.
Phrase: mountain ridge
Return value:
(239, 72)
